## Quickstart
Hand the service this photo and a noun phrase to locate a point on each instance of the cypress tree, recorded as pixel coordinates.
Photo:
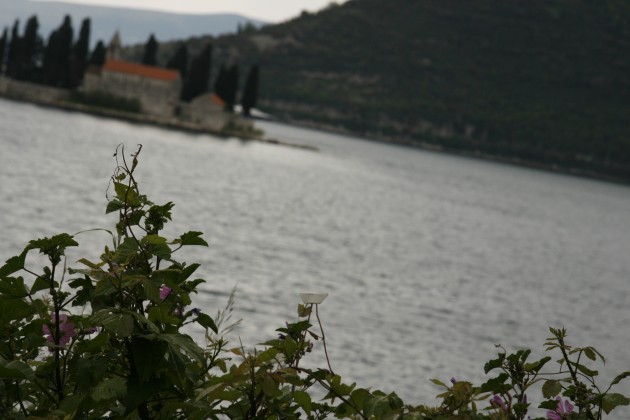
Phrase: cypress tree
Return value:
(26, 59)
(3, 49)
(197, 81)
(58, 56)
(179, 61)
(80, 54)
(13, 55)
(150, 52)
(231, 87)
(98, 55)
(250, 92)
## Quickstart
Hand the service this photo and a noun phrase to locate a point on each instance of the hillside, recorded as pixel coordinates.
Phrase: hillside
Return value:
(539, 81)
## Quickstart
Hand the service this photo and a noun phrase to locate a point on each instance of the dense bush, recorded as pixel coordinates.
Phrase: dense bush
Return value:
(107, 340)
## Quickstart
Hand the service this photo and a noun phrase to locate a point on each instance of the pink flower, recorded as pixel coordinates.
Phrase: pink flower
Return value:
(164, 292)
(563, 411)
(66, 330)
(497, 401)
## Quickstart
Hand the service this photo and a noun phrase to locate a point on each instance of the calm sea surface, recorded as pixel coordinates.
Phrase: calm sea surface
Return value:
(430, 260)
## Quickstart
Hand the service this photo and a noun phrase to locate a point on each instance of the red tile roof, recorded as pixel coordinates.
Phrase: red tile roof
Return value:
(151, 72)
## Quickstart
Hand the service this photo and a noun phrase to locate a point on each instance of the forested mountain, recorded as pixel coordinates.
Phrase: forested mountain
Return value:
(540, 81)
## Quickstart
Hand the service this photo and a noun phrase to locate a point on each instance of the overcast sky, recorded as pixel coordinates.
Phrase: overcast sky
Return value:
(267, 10)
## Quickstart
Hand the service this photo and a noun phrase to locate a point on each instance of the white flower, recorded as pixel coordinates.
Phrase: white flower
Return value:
(313, 298)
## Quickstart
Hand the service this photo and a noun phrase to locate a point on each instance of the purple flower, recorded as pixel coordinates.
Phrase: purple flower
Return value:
(563, 410)
(453, 381)
(281, 336)
(498, 402)
(195, 311)
(164, 292)
(66, 330)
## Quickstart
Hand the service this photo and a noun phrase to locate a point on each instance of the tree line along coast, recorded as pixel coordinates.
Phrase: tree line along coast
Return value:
(64, 71)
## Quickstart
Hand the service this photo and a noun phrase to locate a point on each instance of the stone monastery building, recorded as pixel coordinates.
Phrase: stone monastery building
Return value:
(156, 88)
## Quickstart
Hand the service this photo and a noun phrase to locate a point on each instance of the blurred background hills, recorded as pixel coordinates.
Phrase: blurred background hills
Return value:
(134, 24)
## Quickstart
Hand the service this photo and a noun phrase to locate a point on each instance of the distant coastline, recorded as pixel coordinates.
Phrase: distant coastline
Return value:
(61, 99)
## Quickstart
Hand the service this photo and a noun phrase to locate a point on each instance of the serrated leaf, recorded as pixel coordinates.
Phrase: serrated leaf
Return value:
(13, 264)
(191, 238)
(13, 287)
(126, 194)
(611, 401)
(495, 363)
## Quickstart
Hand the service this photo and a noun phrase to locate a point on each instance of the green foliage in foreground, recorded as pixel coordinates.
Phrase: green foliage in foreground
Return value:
(105, 340)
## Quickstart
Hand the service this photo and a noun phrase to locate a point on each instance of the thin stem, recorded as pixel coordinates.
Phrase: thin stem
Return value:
(321, 328)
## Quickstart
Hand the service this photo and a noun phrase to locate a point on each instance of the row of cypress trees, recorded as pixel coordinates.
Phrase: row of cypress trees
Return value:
(62, 62)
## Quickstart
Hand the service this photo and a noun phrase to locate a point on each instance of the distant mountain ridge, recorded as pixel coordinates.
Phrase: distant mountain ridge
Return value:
(542, 82)
(134, 25)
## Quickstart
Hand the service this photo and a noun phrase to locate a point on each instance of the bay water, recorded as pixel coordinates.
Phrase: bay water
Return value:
(429, 260)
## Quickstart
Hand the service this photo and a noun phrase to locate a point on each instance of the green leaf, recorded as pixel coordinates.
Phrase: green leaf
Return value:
(11, 309)
(13, 264)
(439, 383)
(207, 322)
(16, 370)
(186, 272)
(585, 370)
(549, 405)
(191, 238)
(13, 287)
(126, 194)
(551, 388)
(536, 366)
(114, 205)
(157, 246)
(179, 342)
(590, 353)
(269, 386)
(40, 283)
(620, 377)
(212, 392)
(115, 387)
(118, 323)
(496, 385)
(495, 363)
(303, 399)
(611, 401)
